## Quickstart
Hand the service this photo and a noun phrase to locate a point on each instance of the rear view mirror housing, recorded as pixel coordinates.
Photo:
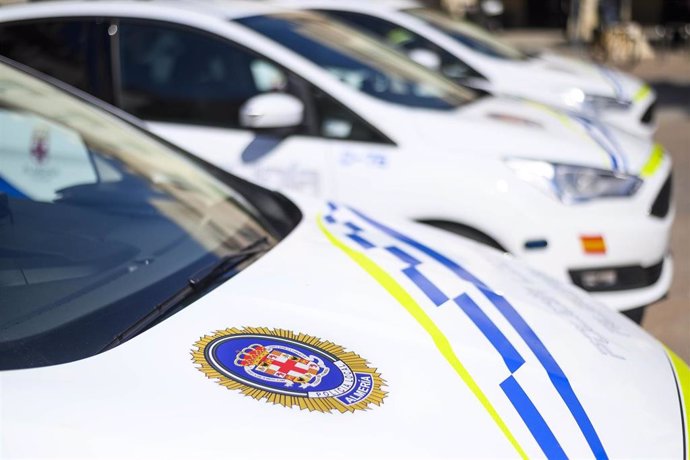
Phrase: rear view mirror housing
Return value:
(272, 111)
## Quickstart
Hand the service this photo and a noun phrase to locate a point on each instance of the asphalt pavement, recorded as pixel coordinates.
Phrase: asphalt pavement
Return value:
(669, 74)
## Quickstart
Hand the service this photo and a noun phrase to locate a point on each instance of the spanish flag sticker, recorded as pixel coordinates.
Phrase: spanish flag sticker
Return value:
(593, 244)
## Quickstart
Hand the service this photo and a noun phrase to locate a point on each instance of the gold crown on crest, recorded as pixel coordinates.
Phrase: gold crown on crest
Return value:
(251, 355)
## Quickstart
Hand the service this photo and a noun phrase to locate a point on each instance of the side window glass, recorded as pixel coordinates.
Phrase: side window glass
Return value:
(335, 121)
(176, 75)
(59, 49)
(406, 41)
(268, 77)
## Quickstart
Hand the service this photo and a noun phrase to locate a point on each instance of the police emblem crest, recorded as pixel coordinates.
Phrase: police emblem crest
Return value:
(40, 145)
(289, 369)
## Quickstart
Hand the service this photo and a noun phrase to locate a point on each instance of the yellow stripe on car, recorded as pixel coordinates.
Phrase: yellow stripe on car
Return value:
(562, 117)
(440, 340)
(642, 93)
(570, 124)
(653, 162)
(683, 378)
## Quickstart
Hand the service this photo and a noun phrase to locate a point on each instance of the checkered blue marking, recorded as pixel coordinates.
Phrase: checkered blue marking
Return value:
(530, 415)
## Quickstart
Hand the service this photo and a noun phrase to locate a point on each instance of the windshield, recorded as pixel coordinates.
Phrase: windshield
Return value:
(99, 224)
(360, 61)
(468, 34)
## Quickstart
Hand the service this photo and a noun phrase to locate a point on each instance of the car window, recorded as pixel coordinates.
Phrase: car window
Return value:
(359, 60)
(100, 224)
(468, 34)
(74, 51)
(406, 40)
(179, 75)
(335, 121)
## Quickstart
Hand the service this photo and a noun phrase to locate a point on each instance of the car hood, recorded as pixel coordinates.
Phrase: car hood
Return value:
(563, 73)
(465, 351)
(526, 129)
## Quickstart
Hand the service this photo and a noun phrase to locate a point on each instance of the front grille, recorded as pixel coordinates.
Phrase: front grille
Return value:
(627, 277)
(648, 116)
(662, 203)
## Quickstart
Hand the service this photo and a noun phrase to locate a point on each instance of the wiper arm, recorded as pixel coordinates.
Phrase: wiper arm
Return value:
(198, 282)
(209, 274)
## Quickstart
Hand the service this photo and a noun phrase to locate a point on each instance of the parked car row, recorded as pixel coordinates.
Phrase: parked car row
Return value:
(393, 137)
(471, 56)
(294, 101)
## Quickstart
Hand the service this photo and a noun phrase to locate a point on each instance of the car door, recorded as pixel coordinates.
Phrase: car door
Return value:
(189, 86)
(365, 162)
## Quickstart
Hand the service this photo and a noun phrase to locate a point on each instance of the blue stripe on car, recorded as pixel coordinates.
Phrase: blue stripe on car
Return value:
(556, 375)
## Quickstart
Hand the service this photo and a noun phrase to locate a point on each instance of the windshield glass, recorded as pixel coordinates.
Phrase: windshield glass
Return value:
(99, 224)
(468, 34)
(360, 61)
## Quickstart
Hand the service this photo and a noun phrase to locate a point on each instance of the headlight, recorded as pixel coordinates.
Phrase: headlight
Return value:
(574, 184)
(599, 103)
(574, 97)
(578, 99)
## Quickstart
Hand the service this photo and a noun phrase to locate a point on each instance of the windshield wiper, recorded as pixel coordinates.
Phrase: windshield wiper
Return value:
(197, 283)
(209, 274)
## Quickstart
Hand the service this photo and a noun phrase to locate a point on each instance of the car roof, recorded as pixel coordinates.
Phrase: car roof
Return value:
(225, 9)
(219, 9)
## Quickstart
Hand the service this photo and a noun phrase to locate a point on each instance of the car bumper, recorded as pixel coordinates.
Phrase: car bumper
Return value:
(630, 299)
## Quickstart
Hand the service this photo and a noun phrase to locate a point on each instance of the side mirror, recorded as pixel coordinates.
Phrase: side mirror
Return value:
(427, 58)
(272, 110)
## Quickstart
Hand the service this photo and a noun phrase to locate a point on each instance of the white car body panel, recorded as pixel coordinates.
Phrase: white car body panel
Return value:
(446, 166)
(546, 78)
(146, 399)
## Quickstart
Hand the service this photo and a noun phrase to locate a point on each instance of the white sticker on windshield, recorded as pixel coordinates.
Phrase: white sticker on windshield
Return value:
(39, 158)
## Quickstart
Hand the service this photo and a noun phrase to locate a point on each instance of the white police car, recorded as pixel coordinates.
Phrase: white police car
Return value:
(472, 56)
(138, 285)
(327, 111)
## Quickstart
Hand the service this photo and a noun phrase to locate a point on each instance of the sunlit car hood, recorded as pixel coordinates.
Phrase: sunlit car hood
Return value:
(561, 72)
(511, 127)
(475, 355)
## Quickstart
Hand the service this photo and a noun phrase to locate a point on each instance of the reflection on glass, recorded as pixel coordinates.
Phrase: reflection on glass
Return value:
(99, 223)
(468, 34)
(360, 61)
